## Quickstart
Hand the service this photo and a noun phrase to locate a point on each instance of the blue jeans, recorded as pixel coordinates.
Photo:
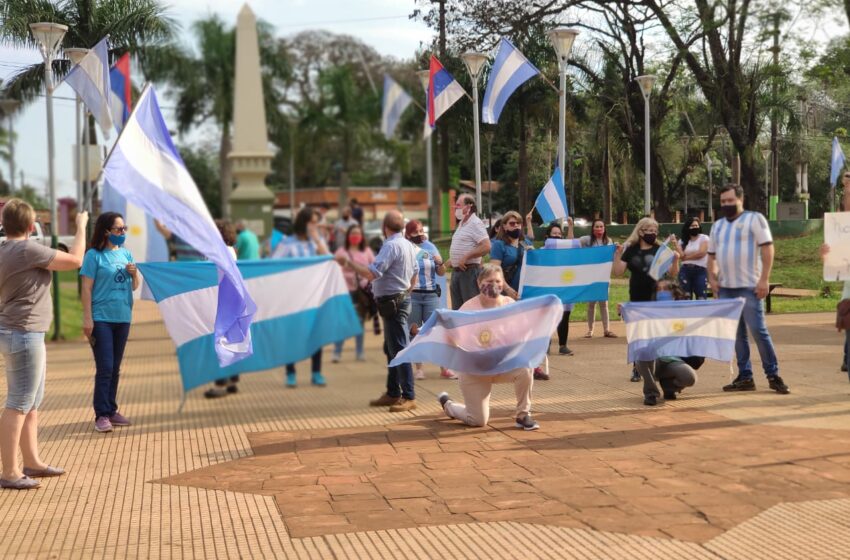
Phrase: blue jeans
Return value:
(847, 351)
(421, 306)
(396, 337)
(358, 345)
(752, 318)
(110, 339)
(26, 365)
(692, 279)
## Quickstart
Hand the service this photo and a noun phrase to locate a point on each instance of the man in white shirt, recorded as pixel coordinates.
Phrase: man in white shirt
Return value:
(740, 258)
(470, 242)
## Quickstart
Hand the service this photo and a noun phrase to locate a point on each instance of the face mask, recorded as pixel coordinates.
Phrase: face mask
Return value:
(490, 290)
(459, 213)
(117, 240)
(599, 234)
(664, 295)
(417, 239)
(695, 231)
(555, 237)
(729, 210)
(649, 238)
(355, 239)
(513, 234)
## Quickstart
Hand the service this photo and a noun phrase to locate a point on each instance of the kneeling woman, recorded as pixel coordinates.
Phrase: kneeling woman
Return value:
(109, 279)
(476, 388)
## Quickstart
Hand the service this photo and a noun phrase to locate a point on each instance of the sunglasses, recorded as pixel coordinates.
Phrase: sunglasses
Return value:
(119, 229)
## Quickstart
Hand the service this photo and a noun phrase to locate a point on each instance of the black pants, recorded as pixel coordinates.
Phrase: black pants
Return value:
(564, 329)
(315, 362)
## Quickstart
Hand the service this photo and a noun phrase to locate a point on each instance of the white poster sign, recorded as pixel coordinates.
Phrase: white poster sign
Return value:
(836, 233)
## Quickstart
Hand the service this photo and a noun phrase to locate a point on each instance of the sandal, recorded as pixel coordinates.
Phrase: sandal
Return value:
(610, 334)
(589, 334)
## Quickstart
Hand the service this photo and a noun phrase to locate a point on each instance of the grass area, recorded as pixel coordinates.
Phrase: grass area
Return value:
(70, 311)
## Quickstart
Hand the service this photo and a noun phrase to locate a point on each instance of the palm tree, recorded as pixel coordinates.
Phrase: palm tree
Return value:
(202, 82)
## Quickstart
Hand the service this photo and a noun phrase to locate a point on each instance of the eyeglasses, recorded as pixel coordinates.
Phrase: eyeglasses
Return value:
(119, 229)
(513, 223)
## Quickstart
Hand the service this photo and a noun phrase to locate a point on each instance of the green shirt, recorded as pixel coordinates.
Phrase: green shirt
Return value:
(247, 246)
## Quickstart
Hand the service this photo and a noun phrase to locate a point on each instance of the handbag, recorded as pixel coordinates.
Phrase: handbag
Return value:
(842, 315)
(510, 271)
(363, 298)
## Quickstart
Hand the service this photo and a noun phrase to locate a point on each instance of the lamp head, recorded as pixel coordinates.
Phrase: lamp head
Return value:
(9, 106)
(765, 153)
(48, 35)
(646, 82)
(424, 78)
(562, 39)
(76, 54)
(474, 62)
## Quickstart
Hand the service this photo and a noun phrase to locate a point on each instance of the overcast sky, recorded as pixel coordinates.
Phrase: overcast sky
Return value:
(383, 24)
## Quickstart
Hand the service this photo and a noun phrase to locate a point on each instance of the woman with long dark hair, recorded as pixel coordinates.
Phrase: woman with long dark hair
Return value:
(597, 238)
(355, 248)
(109, 277)
(693, 254)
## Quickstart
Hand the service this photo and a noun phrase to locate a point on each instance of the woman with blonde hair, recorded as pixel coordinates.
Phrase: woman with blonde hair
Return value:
(508, 248)
(476, 388)
(598, 237)
(25, 317)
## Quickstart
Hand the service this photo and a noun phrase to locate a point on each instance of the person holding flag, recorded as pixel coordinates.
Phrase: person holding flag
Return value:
(638, 255)
(507, 249)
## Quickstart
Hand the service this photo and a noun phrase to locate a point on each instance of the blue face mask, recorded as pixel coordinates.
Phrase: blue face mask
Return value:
(664, 295)
(117, 240)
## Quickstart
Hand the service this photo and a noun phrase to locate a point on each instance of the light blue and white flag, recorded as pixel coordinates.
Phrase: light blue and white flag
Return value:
(146, 169)
(657, 329)
(143, 240)
(317, 311)
(510, 70)
(662, 261)
(836, 161)
(90, 79)
(574, 276)
(395, 101)
(551, 203)
(486, 342)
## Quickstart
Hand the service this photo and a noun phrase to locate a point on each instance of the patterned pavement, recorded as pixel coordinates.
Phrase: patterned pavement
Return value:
(314, 473)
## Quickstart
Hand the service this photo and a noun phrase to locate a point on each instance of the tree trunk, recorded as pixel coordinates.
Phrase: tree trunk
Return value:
(225, 172)
(749, 179)
(606, 176)
(522, 170)
(658, 192)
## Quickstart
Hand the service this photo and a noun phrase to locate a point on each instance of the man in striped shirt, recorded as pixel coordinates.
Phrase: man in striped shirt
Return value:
(470, 242)
(740, 258)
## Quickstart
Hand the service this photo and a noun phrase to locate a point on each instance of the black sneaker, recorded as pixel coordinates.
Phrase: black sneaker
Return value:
(635, 376)
(669, 395)
(778, 385)
(215, 393)
(443, 398)
(527, 423)
(564, 351)
(740, 385)
(650, 400)
(232, 389)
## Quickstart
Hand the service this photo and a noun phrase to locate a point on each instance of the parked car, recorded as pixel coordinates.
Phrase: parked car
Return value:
(42, 236)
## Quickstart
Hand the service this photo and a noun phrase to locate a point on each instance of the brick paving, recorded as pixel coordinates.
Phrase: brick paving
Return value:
(314, 473)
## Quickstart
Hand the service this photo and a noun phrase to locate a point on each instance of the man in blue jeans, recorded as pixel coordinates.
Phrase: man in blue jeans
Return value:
(740, 258)
(393, 275)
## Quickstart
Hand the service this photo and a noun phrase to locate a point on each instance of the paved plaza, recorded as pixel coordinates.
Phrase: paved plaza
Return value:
(315, 473)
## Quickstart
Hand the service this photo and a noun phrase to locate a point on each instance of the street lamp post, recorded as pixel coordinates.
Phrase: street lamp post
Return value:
(646, 82)
(424, 78)
(76, 55)
(766, 155)
(474, 62)
(562, 39)
(708, 165)
(9, 106)
(49, 37)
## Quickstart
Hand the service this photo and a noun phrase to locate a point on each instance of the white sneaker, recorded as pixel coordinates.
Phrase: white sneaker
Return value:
(420, 374)
(336, 358)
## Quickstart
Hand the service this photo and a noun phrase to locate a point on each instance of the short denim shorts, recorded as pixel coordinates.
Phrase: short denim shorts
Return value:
(26, 367)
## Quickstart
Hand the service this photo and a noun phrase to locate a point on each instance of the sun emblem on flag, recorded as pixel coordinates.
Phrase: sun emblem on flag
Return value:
(678, 326)
(135, 230)
(484, 337)
(568, 276)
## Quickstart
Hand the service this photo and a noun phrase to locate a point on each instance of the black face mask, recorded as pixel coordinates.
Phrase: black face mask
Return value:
(649, 238)
(729, 210)
(418, 239)
(513, 233)
(695, 231)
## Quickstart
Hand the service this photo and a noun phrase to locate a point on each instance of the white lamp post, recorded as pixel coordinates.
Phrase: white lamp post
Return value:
(562, 39)
(709, 165)
(76, 55)
(646, 83)
(766, 155)
(424, 78)
(474, 62)
(49, 37)
(9, 106)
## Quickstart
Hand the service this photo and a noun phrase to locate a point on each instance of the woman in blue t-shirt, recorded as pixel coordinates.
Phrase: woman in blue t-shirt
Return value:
(508, 248)
(109, 278)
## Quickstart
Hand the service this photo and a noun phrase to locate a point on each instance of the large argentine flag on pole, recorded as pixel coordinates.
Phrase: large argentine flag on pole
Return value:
(146, 169)
(510, 70)
(443, 91)
(318, 311)
(574, 276)
(395, 101)
(551, 203)
(682, 328)
(90, 79)
(486, 342)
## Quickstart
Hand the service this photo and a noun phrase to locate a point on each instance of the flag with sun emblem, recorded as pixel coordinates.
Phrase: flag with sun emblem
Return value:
(574, 276)
(657, 329)
(486, 342)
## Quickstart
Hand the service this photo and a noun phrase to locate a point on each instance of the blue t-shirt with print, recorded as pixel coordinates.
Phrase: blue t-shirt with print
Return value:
(112, 292)
(509, 256)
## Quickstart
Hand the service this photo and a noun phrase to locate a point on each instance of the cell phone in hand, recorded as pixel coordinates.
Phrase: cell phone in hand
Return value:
(92, 341)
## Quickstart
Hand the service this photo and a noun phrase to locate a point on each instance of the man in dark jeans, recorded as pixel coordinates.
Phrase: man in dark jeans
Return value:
(393, 274)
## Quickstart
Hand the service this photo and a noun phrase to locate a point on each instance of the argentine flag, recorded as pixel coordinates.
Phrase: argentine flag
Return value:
(662, 261)
(657, 329)
(147, 170)
(551, 203)
(510, 70)
(395, 101)
(836, 161)
(90, 79)
(316, 311)
(486, 342)
(574, 276)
